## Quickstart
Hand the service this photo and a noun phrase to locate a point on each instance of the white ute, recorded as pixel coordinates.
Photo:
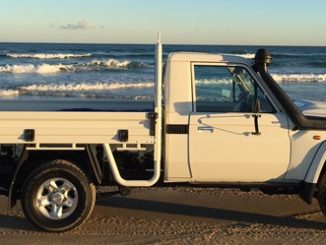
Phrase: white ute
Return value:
(225, 123)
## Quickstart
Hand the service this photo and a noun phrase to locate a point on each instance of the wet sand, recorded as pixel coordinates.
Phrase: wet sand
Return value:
(182, 216)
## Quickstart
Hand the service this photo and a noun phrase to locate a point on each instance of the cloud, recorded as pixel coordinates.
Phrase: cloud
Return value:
(81, 25)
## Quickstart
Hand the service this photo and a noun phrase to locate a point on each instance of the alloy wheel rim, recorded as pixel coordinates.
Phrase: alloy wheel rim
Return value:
(57, 198)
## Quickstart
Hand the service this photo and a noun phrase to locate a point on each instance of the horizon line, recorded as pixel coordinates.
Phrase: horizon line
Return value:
(192, 44)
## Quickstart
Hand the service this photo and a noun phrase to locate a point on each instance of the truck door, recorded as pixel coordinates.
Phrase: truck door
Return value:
(225, 144)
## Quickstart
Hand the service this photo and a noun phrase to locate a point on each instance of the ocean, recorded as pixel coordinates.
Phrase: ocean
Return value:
(38, 71)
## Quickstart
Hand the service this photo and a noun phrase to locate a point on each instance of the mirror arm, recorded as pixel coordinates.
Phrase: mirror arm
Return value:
(256, 116)
(257, 132)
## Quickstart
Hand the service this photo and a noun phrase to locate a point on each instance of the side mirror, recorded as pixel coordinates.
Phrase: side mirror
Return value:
(256, 107)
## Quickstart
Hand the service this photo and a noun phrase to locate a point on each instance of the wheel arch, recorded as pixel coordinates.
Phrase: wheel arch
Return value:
(87, 161)
(315, 172)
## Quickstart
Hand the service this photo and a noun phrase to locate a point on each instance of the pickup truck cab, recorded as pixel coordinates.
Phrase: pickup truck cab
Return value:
(225, 122)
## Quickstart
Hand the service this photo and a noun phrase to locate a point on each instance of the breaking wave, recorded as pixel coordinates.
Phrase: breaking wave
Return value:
(209, 82)
(300, 78)
(9, 93)
(247, 55)
(285, 78)
(117, 64)
(110, 64)
(48, 56)
(29, 68)
(87, 86)
(288, 78)
(95, 90)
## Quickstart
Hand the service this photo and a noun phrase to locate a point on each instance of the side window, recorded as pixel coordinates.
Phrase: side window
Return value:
(227, 89)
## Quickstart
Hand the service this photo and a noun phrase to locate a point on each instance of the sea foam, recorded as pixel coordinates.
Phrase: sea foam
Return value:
(8, 93)
(79, 67)
(247, 56)
(48, 56)
(87, 86)
(299, 78)
(209, 82)
(78, 89)
(29, 68)
(285, 78)
(116, 64)
(278, 77)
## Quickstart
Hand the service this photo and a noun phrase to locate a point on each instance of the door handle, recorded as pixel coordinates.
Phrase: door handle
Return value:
(205, 128)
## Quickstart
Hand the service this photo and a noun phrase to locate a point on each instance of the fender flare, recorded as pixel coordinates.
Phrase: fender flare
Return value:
(311, 179)
(316, 165)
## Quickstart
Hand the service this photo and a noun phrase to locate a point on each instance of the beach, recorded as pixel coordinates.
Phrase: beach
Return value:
(111, 77)
(182, 216)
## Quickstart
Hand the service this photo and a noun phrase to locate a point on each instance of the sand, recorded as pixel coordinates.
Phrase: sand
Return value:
(182, 216)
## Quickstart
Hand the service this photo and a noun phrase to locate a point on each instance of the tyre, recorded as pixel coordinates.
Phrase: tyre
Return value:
(321, 195)
(57, 196)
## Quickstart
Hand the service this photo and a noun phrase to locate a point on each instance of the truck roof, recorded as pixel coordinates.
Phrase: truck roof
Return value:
(207, 57)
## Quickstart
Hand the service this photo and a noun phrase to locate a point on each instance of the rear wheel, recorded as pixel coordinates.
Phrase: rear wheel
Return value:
(322, 194)
(57, 196)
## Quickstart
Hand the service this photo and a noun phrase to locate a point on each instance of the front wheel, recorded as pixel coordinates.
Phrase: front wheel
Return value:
(57, 196)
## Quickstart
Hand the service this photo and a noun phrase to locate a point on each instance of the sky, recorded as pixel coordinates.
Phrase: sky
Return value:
(244, 22)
